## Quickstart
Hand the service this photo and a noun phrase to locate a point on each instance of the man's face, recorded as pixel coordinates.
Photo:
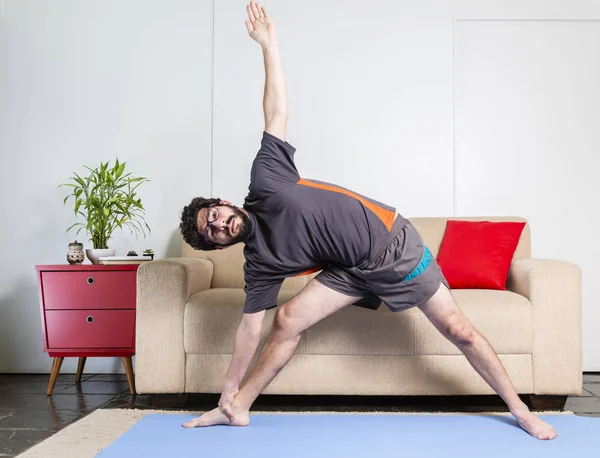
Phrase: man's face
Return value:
(223, 225)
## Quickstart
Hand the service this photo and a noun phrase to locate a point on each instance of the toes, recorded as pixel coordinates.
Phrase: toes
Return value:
(548, 435)
(191, 424)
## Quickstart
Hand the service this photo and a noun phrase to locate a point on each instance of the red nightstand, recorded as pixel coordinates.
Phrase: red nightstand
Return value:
(88, 310)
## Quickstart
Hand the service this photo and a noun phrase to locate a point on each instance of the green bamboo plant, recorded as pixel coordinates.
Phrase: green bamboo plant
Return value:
(106, 198)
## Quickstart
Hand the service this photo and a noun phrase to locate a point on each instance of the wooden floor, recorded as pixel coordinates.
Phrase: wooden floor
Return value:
(28, 415)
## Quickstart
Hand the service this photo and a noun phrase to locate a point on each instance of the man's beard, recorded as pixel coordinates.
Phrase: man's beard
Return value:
(244, 228)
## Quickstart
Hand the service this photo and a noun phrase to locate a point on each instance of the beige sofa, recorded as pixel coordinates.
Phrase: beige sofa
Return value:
(188, 310)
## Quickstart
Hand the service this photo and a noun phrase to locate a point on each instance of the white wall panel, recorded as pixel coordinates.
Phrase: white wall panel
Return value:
(527, 111)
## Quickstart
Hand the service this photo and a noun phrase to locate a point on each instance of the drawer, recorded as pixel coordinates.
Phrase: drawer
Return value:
(90, 328)
(89, 290)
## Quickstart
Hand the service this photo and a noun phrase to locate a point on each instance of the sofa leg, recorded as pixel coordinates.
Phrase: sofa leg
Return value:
(547, 402)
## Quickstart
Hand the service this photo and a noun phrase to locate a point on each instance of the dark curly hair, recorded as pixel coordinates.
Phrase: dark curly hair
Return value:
(188, 226)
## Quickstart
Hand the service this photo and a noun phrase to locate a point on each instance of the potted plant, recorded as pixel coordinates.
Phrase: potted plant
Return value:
(149, 252)
(106, 198)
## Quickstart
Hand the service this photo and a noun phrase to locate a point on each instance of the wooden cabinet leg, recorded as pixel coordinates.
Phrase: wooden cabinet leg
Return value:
(80, 365)
(129, 370)
(54, 375)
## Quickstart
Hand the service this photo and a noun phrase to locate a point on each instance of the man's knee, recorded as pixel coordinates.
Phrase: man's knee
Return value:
(450, 320)
(460, 331)
(286, 323)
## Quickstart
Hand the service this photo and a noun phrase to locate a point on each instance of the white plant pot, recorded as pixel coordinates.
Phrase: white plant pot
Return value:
(94, 253)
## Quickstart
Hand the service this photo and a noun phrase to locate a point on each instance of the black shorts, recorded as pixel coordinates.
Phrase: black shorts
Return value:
(402, 273)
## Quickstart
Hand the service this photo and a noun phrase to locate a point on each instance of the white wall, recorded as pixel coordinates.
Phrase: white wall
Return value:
(83, 82)
(407, 102)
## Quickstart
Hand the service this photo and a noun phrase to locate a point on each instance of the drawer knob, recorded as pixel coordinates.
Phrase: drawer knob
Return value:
(90, 319)
(90, 280)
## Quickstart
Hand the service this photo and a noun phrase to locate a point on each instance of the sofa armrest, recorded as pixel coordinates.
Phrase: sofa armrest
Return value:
(163, 288)
(554, 290)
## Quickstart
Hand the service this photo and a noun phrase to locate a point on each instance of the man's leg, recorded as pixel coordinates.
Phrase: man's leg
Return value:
(447, 317)
(314, 303)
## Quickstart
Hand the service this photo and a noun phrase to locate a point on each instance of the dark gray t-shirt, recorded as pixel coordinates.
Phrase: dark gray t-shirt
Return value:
(300, 226)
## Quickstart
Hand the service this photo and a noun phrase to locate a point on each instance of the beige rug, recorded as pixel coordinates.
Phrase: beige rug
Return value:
(86, 437)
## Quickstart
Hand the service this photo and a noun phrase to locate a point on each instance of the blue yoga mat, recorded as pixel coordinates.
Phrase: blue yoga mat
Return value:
(356, 435)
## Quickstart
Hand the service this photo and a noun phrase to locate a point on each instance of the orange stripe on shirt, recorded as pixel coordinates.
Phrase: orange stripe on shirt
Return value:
(386, 216)
(310, 271)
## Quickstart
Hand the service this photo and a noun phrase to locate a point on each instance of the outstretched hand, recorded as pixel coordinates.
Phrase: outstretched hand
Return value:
(225, 402)
(259, 24)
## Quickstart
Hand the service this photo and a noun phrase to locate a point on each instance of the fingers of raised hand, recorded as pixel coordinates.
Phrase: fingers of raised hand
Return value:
(256, 10)
(250, 12)
(263, 12)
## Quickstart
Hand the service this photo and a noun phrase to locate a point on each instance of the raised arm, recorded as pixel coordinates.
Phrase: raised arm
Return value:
(275, 104)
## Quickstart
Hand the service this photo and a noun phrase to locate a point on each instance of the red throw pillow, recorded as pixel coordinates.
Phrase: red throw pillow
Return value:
(477, 254)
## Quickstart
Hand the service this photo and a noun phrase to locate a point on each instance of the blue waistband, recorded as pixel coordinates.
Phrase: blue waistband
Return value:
(425, 261)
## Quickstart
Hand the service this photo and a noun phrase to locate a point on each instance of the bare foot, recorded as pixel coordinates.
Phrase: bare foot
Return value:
(536, 427)
(218, 417)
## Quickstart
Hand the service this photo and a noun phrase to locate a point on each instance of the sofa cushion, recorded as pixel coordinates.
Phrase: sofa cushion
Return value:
(504, 318)
(211, 319)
